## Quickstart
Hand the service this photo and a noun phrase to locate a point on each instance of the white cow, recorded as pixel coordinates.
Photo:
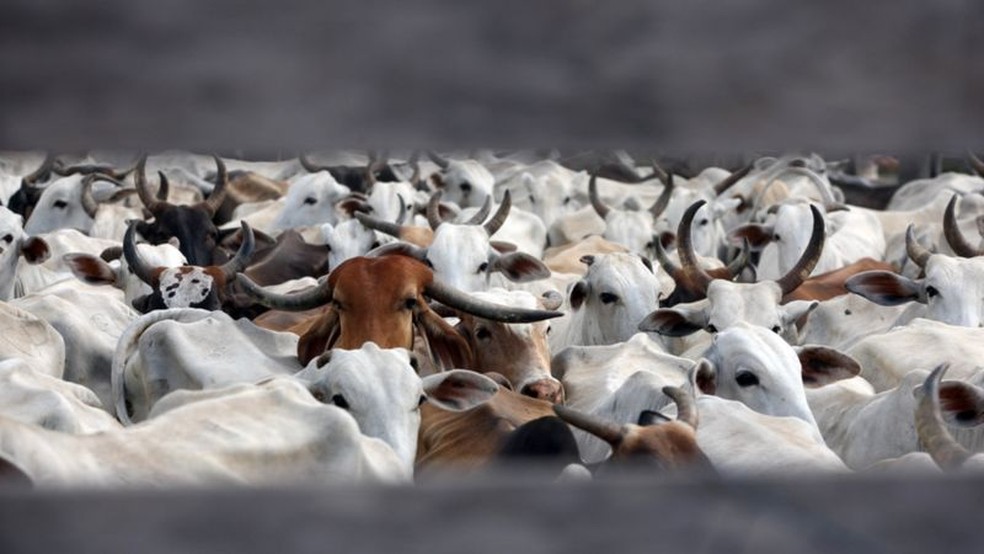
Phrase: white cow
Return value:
(14, 245)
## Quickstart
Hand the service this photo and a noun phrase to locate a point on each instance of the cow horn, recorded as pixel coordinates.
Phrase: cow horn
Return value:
(150, 202)
(241, 259)
(39, 173)
(739, 263)
(89, 203)
(916, 252)
(494, 224)
(482, 213)
(318, 295)
(138, 266)
(441, 162)
(686, 405)
(402, 216)
(960, 245)
(976, 163)
(599, 207)
(659, 206)
(933, 435)
(111, 253)
(823, 188)
(387, 227)
(218, 194)
(609, 432)
(732, 179)
(811, 255)
(671, 269)
(688, 258)
(371, 166)
(434, 211)
(454, 298)
(164, 188)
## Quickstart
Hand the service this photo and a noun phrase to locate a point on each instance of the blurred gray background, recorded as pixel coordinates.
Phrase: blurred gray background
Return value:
(680, 77)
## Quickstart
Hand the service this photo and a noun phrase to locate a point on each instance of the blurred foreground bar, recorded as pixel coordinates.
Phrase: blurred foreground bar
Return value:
(797, 515)
(676, 76)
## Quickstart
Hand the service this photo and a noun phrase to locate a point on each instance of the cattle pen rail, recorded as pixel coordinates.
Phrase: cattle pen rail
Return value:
(844, 514)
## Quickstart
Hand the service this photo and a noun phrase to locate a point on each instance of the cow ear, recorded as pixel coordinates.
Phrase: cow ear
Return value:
(886, 288)
(520, 267)
(446, 344)
(703, 377)
(316, 339)
(758, 236)
(578, 293)
(90, 269)
(823, 365)
(35, 250)
(502, 246)
(459, 389)
(350, 205)
(797, 311)
(961, 403)
(551, 300)
(678, 321)
(143, 303)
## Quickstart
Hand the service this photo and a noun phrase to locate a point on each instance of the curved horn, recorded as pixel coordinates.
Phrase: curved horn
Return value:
(732, 179)
(215, 199)
(241, 259)
(402, 216)
(600, 208)
(310, 166)
(152, 204)
(318, 295)
(387, 227)
(434, 211)
(960, 245)
(933, 435)
(41, 172)
(811, 255)
(454, 298)
(111, 253)
(686, 405)
(826, 196)
(738, 264)
(688, 258)
(415, 176)
(164, 188)
(482, 212)
(659, 206)
(671, 269)
(494, 224)
(371, 166)
(138, 266)
(89, 203)
(976, 163)
(441, 162)
(916, 252)
(604, 430)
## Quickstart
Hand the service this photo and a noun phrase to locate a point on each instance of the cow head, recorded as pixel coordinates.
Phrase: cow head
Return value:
(14, 243)
(380, 388)
(519, 351)
(186, 286)
(97, 270)
(191, 225)
(467, 183)
(951, 289)
(384, 300)
(311, 200)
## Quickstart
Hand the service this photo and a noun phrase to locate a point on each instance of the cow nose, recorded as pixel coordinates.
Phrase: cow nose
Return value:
(545, 389)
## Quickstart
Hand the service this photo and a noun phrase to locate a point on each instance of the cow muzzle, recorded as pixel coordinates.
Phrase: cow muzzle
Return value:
(545, 389)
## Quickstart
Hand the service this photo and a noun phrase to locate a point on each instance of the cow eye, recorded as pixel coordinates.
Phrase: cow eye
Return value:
(711, 328)
(776, 329)
(483, 267)
(8, 238)
(310, 200)
(375, 244)
(421, 401)
(410, 303)
(549, 328)
(702, 222)
(931, 291)
(776, 237)
(414, 363)
(340, 401)
(60, 204)
(429, 263)
(608, 298)
(483, 333)
(746, 379)
(567, 200)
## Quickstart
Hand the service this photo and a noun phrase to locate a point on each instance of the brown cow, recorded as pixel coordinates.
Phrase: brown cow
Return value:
(384, 300)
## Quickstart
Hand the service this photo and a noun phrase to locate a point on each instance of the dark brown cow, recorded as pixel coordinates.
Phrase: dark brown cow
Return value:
(383, 300)
(191, 225)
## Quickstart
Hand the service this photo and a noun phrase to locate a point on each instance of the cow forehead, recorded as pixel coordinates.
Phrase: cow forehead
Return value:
(10, 222)
(745, 343)
(391, 276)
(460, 171)
(620, 268)
(181, 287)
(961, 272)
(726, 297)
(371, 371)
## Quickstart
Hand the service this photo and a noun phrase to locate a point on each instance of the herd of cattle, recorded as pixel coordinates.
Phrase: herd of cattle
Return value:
(183, 319)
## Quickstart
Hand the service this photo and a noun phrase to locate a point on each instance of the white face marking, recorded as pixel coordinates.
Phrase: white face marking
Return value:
(181, 289)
